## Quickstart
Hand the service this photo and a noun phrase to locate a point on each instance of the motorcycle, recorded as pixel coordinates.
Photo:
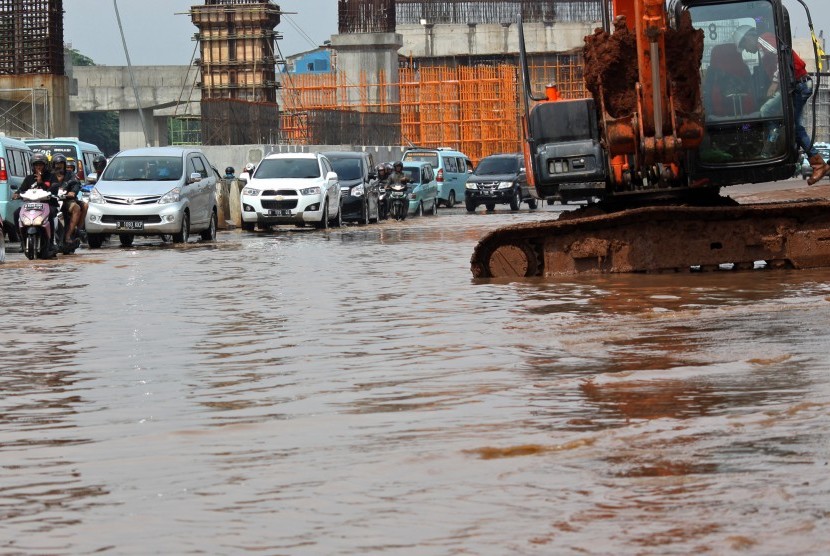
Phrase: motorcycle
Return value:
(398, 201)
(35, 228)
(383, 206)
(60, 229)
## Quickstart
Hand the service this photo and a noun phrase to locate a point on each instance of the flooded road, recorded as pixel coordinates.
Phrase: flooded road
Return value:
(356, 392)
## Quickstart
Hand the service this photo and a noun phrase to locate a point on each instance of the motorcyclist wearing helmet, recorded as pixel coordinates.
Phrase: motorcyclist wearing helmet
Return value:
(383, 170)
(230, 173)
(40, 178)
(397, 175)
(99, 163)
(73, 210)
(58, 162)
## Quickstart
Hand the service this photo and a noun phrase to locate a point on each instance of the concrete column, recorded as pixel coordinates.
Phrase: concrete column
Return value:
(131, 133)
(370, 53)
(160, 131)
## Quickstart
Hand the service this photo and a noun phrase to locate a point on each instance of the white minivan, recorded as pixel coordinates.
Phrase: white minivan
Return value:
(154, 191)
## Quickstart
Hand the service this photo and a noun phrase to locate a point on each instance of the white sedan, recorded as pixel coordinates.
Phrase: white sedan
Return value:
(292, 188)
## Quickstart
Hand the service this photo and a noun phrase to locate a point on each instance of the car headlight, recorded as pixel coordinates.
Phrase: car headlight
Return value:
(96, 198)
(358, 190)
(310, 191)
(505, 184)
(171, 196)
(251, 192)
(469, 185)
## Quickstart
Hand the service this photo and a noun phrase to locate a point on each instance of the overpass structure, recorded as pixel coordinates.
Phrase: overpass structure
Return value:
(163, 92)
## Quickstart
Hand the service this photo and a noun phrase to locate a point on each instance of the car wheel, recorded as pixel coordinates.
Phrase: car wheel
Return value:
(471, 206)
(126, 240)
(451, 199)
(420, 208)
(490, 207)
(94, 240)
(516, 200)
(365, 220)
(532, 203)
(166, 238)
(323, 224)
(184, 234)
(248, 226)
(337, 221)
(210, 233)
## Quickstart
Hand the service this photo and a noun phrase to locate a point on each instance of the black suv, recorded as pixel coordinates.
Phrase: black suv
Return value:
(498, 179)
(358, 185)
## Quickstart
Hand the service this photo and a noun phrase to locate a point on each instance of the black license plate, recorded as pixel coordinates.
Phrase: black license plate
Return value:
(129, 225)
(274, 212)
(33, 206)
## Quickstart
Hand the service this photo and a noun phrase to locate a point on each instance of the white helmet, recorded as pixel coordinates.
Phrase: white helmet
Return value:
(250, 167)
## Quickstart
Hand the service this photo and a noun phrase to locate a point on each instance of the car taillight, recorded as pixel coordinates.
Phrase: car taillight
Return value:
(4, 176)
(440, 177)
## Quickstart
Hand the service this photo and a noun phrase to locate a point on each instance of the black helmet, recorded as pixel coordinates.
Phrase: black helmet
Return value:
(58, 159)
(397, 164)
(229, 170)
(39, 158)
(68, 162)
(99, 162)
(388, 167)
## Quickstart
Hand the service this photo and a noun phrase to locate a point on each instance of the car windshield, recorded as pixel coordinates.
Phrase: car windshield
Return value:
(497, 165)
(413, 174)
(144, 168)
(51, 150)
(414, 156)
(347, 168)
(275, 168)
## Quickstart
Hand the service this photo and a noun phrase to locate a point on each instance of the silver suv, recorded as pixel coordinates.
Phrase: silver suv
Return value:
(164, 191)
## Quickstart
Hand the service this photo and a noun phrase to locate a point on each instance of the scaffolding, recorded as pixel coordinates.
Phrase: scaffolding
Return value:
(466, 12)
(475, 109)
(366, 16)
(31, 37)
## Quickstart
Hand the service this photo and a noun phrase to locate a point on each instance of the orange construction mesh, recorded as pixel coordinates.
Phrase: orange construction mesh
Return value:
(473, 109)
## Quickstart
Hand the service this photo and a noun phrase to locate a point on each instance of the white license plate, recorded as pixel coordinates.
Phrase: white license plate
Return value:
(273, 212)
(33, 206)
(129, 225)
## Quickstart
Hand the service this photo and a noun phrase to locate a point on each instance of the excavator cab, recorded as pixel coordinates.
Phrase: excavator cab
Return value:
(746, 75)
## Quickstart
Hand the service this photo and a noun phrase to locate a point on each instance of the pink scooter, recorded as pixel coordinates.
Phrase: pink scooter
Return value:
(35, 229)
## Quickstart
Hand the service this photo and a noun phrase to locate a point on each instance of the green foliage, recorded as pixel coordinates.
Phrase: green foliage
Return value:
(100, 128)
(79, 59)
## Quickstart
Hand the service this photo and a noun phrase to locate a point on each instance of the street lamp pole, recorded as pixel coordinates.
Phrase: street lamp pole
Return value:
(132, 77)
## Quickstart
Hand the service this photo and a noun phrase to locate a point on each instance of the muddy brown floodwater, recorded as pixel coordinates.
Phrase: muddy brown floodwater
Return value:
(356, 392)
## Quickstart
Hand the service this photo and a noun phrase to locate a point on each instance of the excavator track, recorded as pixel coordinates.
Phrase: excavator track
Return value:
(659, 239)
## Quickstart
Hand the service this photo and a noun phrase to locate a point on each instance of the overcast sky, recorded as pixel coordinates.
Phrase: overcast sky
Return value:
(156, 35)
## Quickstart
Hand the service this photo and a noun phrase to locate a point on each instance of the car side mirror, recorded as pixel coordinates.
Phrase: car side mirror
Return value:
(194, 177)
(92, 178)
(331, 176)
(522, 170)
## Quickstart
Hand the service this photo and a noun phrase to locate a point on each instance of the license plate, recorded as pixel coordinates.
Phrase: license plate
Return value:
(273, 212)
(33, 206)
(129, 225)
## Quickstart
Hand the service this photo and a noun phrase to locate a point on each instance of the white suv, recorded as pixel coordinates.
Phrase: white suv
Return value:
(292, 188)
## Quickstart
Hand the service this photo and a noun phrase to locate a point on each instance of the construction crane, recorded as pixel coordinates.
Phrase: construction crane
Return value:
(677, 112)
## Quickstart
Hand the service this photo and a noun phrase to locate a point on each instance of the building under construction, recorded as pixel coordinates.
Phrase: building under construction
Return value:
(238, 67)
(457, 81)
(33, 86)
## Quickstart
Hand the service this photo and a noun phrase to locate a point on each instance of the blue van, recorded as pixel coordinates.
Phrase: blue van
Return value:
(82, 152)
(452, 168)
(14, 166)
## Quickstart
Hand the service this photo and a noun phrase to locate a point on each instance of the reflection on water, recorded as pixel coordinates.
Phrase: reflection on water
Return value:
(354, 391)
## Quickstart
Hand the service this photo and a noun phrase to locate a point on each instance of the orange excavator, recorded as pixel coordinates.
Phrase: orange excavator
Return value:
(679, 109)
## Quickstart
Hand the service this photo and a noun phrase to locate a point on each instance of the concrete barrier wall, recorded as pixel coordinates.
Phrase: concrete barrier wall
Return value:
(239, 155)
